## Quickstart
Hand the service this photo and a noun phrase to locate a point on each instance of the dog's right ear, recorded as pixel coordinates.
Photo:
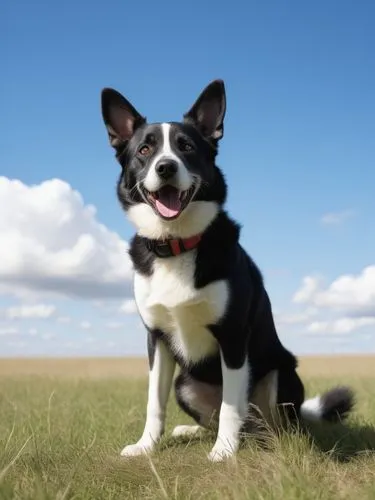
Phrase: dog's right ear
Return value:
(120, 117)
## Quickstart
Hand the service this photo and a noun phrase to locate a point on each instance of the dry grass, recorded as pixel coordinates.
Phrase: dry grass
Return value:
(63, 423)
(75, 367)
(335, 366)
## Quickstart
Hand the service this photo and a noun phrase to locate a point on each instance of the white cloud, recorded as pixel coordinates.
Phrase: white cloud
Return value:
(336, 218)
(35, 311)
(339, 326)
(128, 307)
(295, 318)
(310, 286)
(344, 306)
(352, 294)
(51, 242)
(5, 331)
(85, 325)
(33, 332)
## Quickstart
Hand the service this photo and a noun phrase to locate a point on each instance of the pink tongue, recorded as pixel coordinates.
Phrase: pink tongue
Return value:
(168, 204)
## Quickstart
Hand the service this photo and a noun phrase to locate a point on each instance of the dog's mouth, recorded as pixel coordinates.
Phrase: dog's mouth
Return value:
(168, 201)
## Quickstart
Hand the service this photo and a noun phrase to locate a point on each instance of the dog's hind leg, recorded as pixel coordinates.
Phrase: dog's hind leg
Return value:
(202, 402)
(290, 396)
(263, 403)
(199, 400)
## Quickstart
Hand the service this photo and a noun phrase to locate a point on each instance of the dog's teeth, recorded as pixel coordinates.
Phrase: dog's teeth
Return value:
(183, 195)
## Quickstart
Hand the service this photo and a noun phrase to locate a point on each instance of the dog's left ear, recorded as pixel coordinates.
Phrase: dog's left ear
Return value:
(208, 111)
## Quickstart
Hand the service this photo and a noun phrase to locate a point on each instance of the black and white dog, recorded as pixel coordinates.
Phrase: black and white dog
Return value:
(200, 296)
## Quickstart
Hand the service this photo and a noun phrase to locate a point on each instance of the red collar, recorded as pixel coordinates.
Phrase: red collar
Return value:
(173, 246)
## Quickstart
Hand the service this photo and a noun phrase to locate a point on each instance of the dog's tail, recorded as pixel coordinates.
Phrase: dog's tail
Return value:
(331, 406)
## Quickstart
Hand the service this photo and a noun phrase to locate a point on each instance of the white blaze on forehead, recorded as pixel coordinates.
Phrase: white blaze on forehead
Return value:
(167, 150)
(182, 180)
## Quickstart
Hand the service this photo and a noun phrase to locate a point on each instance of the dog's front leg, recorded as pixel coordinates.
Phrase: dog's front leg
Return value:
(161, 372)
(233, 411)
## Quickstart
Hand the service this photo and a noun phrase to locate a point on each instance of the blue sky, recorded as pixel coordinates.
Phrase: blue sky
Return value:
(298, 150)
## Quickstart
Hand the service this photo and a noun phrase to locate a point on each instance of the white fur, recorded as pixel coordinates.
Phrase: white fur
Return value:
(196, 217)
(312, 409)
(186, 430)
(233, 411)
(169, 301)
(160, 380)
(183, 179)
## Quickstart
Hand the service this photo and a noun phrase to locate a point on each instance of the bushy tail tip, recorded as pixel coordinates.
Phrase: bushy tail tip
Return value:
(332, 406)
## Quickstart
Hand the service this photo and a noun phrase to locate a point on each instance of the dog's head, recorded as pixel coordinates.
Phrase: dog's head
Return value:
(169, 184)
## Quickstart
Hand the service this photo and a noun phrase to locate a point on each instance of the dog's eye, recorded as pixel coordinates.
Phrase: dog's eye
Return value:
(144, 150)
(185, 146)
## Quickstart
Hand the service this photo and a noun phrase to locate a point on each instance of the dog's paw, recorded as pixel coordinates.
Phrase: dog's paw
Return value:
(186, 430)
(137, 449)
(221, 452)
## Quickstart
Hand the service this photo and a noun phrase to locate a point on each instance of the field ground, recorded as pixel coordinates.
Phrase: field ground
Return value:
(63, 423)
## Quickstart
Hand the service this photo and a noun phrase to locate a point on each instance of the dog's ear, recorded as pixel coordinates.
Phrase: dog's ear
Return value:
(208, 111)
(120, 117)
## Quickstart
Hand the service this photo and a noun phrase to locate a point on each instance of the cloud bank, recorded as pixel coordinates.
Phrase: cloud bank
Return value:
(52, 242)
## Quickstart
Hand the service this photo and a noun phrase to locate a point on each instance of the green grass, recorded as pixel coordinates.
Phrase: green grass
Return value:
(61, 438)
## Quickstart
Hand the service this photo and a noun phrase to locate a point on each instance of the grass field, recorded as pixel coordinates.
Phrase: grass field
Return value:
(64, 422)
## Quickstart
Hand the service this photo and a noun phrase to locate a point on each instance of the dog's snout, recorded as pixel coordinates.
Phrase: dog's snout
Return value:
(166, 168)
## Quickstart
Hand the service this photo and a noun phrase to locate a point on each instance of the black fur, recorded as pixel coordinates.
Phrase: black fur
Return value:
(337, 403)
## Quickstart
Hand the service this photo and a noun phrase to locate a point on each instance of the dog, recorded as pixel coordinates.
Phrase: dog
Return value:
(199, 294)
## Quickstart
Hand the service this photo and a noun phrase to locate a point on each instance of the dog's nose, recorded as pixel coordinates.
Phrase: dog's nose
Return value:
(166, 168)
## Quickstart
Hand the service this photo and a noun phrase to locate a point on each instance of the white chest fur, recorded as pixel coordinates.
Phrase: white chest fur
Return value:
(168, 300)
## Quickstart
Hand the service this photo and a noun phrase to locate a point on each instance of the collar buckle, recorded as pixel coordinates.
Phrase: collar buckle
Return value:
(173, 246)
